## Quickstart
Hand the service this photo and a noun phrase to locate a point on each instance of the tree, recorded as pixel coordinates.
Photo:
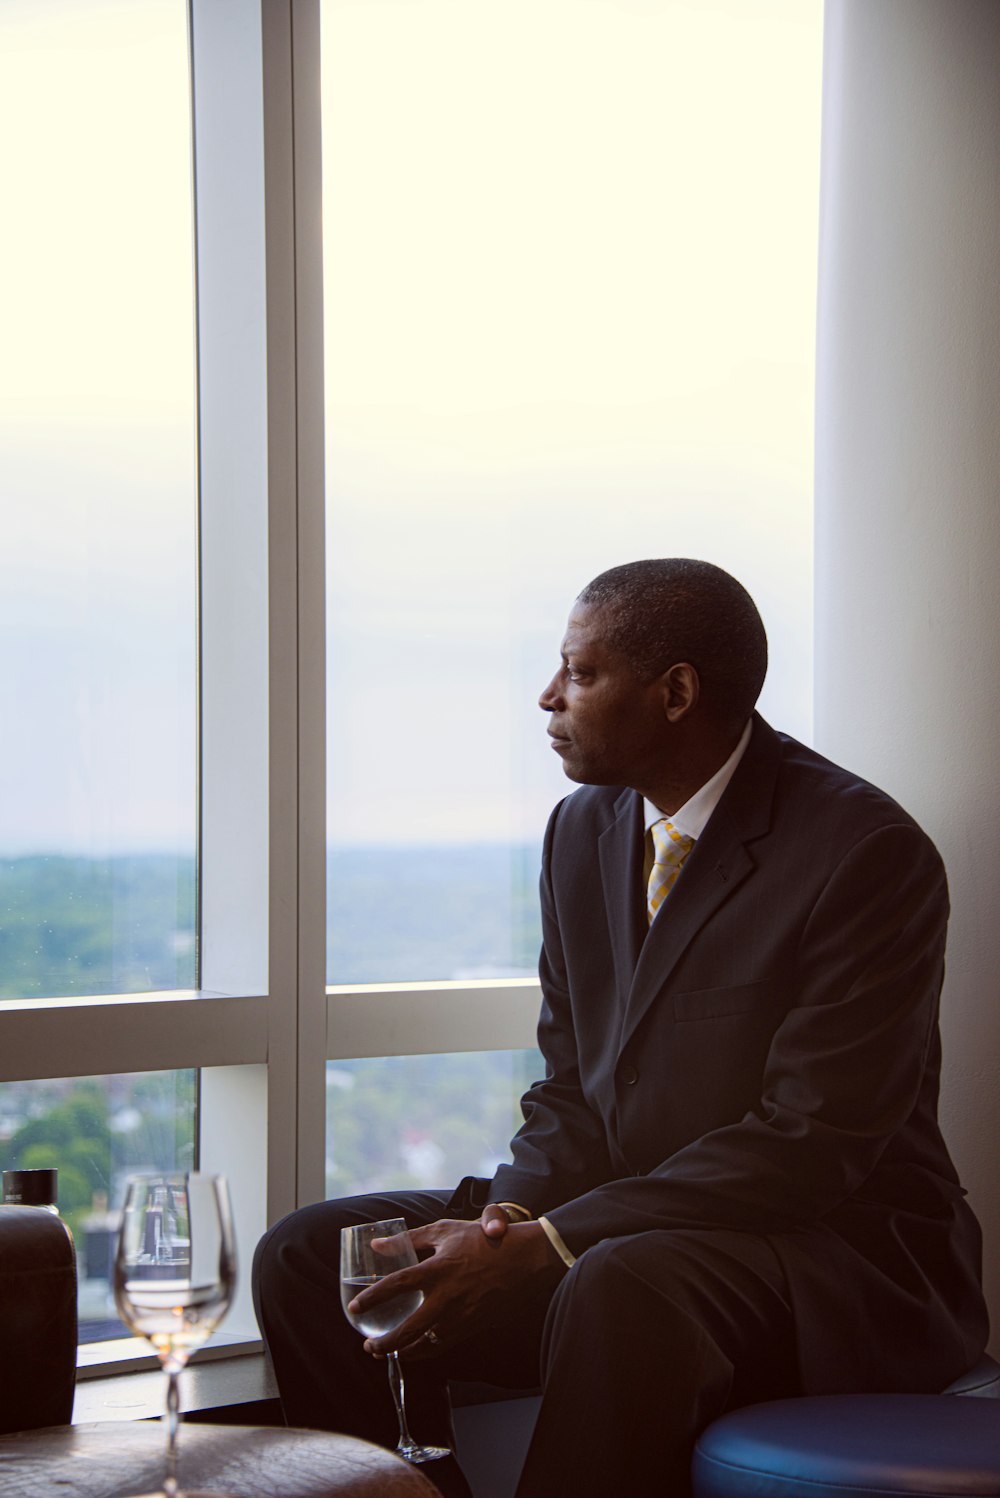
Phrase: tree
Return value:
(74, 1138)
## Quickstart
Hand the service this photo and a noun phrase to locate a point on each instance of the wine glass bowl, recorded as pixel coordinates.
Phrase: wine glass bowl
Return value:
(368, 1252)
(362, 1264)
(174, 1274)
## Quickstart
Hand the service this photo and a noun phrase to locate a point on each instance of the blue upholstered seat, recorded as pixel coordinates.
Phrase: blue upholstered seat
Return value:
(853, 1446)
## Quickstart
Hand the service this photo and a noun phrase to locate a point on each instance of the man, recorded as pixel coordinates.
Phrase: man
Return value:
(731, 1184)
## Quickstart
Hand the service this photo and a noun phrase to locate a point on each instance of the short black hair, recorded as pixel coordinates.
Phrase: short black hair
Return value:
(673, 609)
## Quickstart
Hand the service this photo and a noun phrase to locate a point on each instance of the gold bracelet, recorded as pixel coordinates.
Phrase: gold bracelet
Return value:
(523, 1215)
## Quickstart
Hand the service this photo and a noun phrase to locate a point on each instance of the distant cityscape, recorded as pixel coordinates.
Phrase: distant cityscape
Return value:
(79, 926)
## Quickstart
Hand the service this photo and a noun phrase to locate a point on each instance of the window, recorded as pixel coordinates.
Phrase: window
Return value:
(98, 578)
(98, 572)
(422, 1121)
(527, 381)
(97, 1131)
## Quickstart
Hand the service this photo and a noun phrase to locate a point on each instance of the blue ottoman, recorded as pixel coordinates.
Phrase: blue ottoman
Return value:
(857, 1446)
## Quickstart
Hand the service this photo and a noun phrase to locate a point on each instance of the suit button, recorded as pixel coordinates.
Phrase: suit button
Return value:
(628, 1075)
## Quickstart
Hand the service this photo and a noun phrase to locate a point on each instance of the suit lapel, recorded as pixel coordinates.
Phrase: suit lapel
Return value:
(717, 865)
(621, 853)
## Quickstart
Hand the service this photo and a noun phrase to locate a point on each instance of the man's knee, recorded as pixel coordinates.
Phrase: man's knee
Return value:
(691, 1290)
(596, 1266)
(661, 1260)
(289, 1252)
(706, 1277)
(597, 1295)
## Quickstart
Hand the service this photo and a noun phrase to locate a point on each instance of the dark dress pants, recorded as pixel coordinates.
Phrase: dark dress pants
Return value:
(641, 1344)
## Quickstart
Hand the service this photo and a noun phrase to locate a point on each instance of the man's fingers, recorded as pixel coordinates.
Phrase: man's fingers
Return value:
(409, 1334)
(430, 1235)
(402, 1282)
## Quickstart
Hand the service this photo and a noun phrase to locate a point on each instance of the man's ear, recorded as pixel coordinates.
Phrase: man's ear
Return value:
(681, 689)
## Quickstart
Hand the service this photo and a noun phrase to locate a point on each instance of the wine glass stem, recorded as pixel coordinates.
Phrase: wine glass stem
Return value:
(173, 1420)
(406, 1441)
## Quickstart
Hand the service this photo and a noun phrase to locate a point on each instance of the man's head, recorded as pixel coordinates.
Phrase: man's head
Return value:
(657, 613)
(663, 661)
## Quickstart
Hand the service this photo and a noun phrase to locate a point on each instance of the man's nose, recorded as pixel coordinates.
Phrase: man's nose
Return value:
(550, 698)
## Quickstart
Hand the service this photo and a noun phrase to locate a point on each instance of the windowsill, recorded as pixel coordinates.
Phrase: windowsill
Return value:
(108, 1000)
(233, 1386)
(134, 1355)
(227, 1381)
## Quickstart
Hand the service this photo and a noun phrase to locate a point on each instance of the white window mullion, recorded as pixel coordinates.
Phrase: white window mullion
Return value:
(428, 1019)
(84, 1037)
(233, 446)
(261, 504)
(296, 1083)
(233, 633)
(311, 577)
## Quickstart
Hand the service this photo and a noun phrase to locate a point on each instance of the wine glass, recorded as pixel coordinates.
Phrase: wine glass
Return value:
(361, 1264)
(174, 1275)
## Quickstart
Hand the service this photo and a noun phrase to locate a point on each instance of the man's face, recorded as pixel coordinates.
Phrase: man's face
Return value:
(607, 726)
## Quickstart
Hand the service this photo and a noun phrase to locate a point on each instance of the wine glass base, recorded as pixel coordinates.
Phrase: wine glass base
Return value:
(415, 1454)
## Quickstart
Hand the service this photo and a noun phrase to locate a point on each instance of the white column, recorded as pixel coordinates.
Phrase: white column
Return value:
(908, 484)
(263, 866)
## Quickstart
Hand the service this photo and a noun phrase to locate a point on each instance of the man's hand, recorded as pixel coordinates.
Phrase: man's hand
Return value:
(474, 1273)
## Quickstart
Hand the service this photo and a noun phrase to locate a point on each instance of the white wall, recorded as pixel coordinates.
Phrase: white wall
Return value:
(908, 484)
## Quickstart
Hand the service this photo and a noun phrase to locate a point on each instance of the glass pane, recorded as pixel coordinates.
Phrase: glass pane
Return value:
(97, 447)
(96, 1131)
(561, 334)
(79, 925)
(422, 1121)
(465, 913)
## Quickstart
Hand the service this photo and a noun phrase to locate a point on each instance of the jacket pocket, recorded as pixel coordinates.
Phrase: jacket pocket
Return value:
(714, 1003)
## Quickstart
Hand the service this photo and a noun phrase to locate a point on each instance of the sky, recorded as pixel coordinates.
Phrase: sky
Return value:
(570, 254)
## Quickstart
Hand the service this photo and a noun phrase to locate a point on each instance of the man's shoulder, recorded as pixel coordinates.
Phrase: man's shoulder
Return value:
(804, 775)
(831, 813)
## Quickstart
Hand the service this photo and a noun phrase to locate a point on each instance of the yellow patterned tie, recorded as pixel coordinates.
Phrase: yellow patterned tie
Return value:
(671, 848)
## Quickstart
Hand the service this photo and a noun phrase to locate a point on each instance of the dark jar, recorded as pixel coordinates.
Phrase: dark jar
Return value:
(32, 1188)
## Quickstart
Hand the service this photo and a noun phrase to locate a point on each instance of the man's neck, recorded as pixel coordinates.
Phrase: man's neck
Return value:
(670, 793)
(671, 800)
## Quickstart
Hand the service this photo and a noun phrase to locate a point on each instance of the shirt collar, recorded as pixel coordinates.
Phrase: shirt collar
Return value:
(691, 818)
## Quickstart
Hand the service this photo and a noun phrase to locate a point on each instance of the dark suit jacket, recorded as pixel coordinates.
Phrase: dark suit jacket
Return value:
(765, 1057)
